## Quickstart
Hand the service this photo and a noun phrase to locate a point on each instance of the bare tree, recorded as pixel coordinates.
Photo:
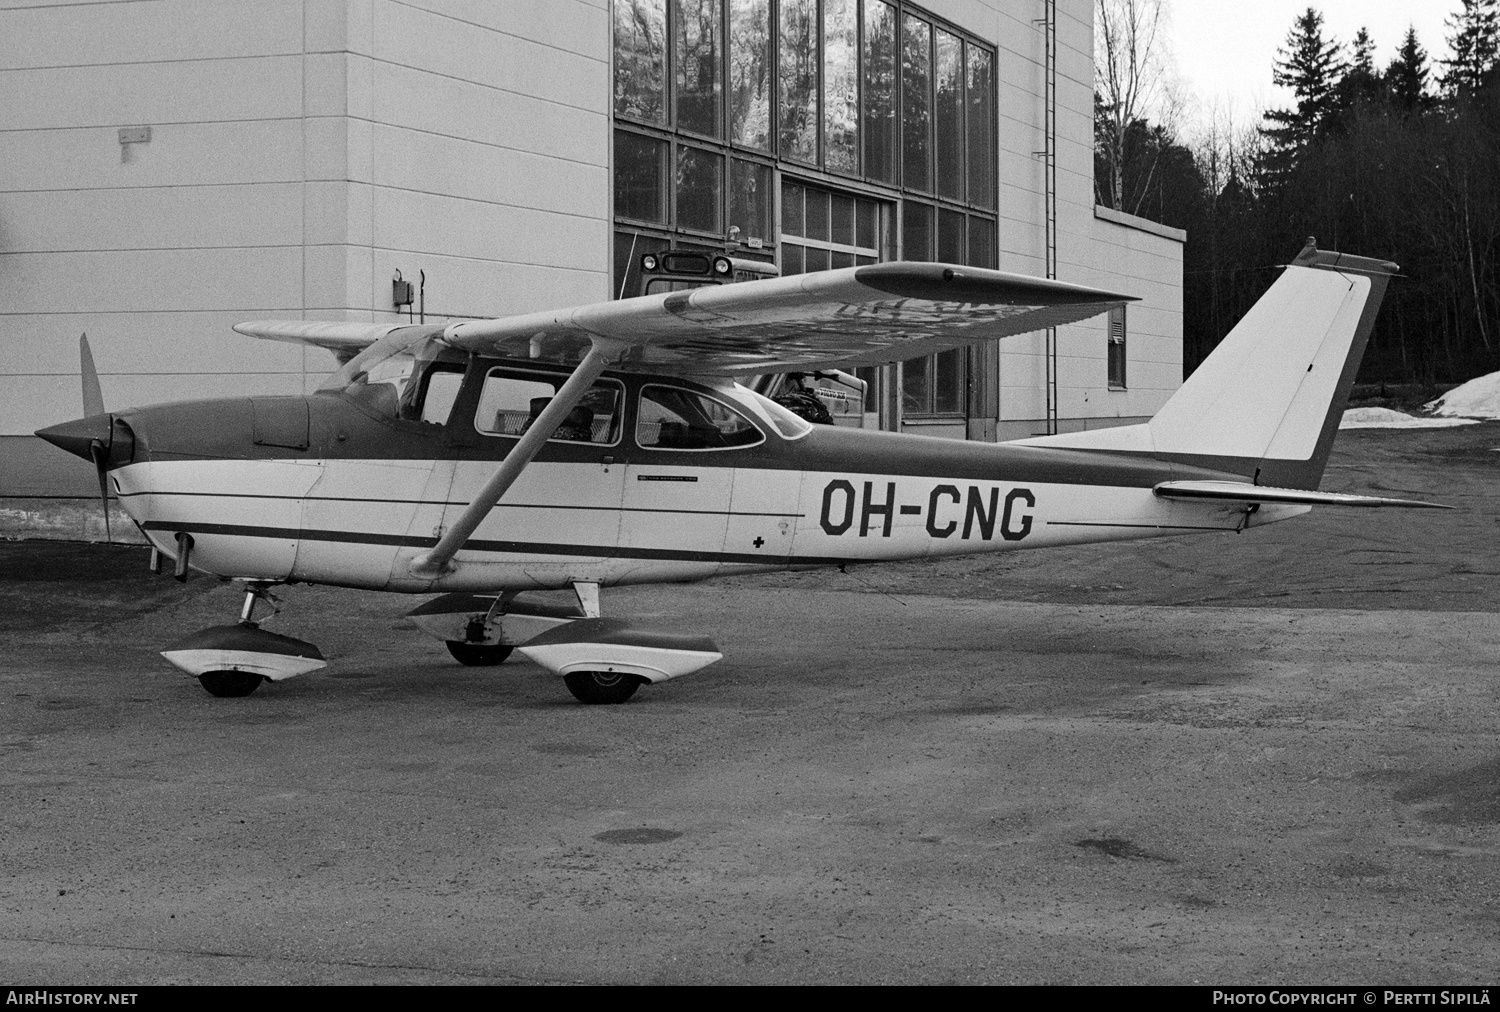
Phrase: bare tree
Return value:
(1226, 145)
(1130, 75)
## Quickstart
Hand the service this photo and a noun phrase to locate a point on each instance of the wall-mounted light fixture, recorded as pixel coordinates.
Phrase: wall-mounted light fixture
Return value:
(130, 136)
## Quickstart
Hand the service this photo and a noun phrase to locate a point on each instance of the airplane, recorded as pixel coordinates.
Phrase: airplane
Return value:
(612, 444)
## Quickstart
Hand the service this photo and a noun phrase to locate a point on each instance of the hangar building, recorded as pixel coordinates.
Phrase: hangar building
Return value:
(171, 167)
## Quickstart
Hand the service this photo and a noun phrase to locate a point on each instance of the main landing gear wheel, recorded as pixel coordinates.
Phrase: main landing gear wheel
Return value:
(602, 686)
(230, 683)
(477, 655)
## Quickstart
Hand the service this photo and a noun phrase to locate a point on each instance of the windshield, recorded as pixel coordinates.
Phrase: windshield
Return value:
(407, 374)
(789, 425)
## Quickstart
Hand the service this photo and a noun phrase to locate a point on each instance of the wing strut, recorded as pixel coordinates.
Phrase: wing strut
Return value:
(438, 562)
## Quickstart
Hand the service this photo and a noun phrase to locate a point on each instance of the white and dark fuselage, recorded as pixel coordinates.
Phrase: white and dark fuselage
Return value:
(454, 459)
(328, 489)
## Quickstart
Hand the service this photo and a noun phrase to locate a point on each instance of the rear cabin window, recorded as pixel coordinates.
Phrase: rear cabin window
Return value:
(672, 418)
(512, 400)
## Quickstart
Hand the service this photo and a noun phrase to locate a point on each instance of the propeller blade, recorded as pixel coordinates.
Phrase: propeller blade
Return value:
(99, 453)
(93, 396)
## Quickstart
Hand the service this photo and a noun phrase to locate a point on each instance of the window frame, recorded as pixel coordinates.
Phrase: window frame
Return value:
(635, 428)
(549, 376)
(670, 130)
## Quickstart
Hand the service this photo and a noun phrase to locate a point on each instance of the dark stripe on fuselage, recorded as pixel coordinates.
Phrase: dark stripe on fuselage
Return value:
(342, 429)
(461, 502)
(482, 545)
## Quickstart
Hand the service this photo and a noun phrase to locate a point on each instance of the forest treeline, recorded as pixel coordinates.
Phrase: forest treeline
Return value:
(1400, 162)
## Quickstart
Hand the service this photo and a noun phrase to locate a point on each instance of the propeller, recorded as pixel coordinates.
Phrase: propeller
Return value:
(93, 396)
(93, 404)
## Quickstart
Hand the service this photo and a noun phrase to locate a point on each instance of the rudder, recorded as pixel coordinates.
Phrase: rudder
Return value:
(1266, 403)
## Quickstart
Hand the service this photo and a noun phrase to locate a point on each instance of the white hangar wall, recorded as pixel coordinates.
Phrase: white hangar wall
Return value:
(303, 151)
(300, 153)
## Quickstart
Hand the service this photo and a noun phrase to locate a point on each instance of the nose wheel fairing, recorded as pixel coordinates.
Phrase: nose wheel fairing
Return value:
(243, 647)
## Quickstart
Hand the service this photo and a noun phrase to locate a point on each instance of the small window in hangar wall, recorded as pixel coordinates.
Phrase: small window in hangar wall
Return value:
(1116, 340)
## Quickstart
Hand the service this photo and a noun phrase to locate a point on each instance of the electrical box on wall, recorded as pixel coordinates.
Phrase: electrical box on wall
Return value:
(401, 293)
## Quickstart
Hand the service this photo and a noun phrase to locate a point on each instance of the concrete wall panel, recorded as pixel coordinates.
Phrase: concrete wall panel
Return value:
(150, 280)
(267, 87)
(571, 26)
(464, 51)
(425, 223)
(430, 163)
(144, 342)
(187, 217)
(157, 32)
(190, 154)
(454, 108)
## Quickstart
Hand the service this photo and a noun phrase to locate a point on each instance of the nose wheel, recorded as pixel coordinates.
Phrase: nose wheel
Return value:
(602, 686)
(230, 683)
(478, 655)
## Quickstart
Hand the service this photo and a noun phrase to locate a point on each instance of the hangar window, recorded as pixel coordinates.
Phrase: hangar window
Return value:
(512, 399)
(714, 99)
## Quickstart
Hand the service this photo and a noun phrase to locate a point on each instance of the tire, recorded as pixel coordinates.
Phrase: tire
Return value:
(602, 686)
(478, 655)
(230, 683)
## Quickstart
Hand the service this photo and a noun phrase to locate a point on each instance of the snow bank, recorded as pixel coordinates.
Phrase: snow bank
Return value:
(1386, 418)
(1478, 398)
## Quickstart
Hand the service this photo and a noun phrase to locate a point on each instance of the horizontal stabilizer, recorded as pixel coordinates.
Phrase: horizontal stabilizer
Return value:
(1237, 491)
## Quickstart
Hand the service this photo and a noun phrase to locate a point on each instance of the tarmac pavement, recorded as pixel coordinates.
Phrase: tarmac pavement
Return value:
(1163, 762)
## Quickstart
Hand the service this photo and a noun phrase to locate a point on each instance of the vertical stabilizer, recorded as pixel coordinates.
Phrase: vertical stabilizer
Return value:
(1267, 402)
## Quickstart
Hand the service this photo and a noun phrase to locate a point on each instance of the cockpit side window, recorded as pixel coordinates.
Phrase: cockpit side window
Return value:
(438, 391)
(512, 399)
(674, 418)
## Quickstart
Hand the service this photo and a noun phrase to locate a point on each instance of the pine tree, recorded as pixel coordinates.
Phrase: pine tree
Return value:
(1313, 68)
(1364, 54)
(1362, 83)
(1406, 77)
(1475, 43)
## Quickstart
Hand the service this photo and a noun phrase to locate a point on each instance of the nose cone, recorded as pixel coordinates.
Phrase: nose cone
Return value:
(78, 435)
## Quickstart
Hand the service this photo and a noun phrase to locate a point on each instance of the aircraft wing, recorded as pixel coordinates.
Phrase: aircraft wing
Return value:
(847, 317)
(345, 340)
(1234, 491)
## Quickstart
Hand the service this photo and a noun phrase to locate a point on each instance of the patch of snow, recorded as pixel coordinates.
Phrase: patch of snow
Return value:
(1386, 418)
(1478, 398)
